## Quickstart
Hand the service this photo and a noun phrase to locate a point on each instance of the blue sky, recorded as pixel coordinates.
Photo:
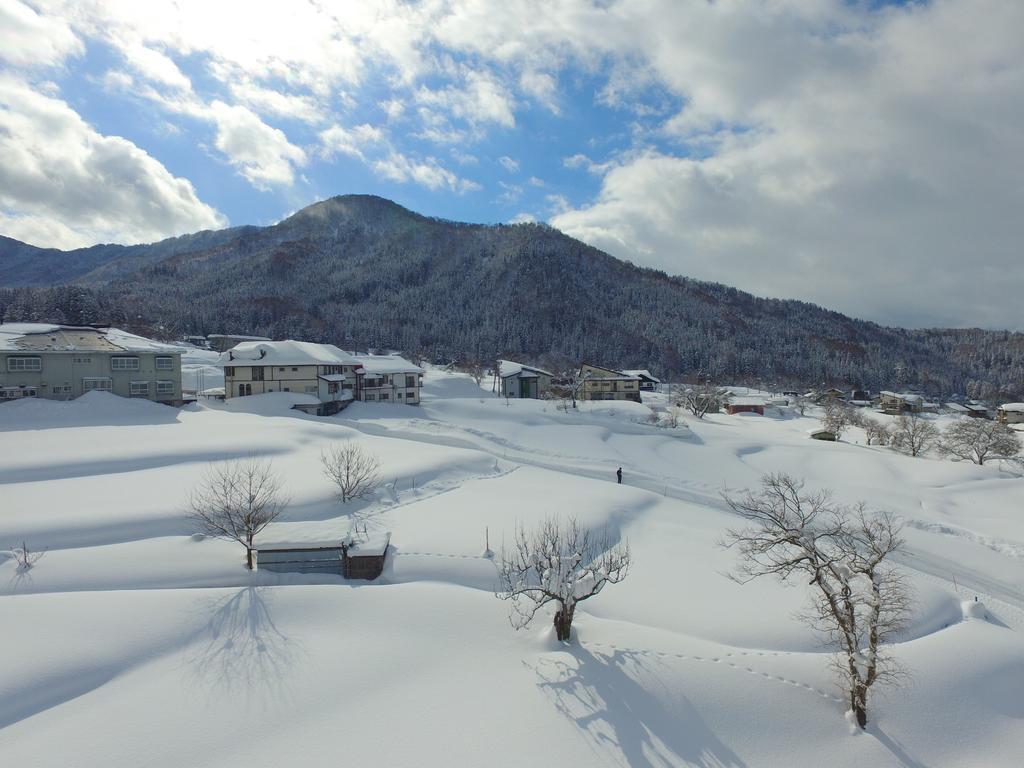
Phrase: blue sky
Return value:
(836, 151)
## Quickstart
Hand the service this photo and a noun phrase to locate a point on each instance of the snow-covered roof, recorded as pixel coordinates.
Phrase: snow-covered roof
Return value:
(47, 337)
(1012, 407)
(332, 376)
(643, 373)
(237, 336)
(508, 368)
(956, 408)
(286, 353)
(382, 364)
(747, 401)
(907, 397)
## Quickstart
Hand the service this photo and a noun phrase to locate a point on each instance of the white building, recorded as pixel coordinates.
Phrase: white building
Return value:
(518, 380)
(1011, 413)
(389, 378)
(322, 370)
(62, 362)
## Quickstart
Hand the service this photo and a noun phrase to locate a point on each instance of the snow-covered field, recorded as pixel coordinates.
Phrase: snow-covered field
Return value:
(131, 643)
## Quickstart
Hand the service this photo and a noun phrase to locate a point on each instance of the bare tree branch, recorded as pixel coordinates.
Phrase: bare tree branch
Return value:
(354, 470)
(236, 500)
(559, 562)
(860, 601)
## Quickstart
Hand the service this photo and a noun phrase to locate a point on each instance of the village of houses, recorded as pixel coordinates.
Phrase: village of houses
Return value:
(63, 363)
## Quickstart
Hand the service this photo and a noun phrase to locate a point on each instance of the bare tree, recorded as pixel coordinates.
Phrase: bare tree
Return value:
(701, 399)
(839, 416)
(914, 435)
(859, 600)
(801, 403)
(877, 432)
(25, 558)
(477, 371)
(980, 440)
(353, 469)
(559, 562)
(236, 500)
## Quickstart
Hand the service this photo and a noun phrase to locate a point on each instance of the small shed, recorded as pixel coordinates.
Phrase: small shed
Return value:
(364, 559)
(360, 557)
(1011, 413)
(822, 434)
(745, 405)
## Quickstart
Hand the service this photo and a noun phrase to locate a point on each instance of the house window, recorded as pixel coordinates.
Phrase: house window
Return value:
(24, 364)
(165, 387)
(124, 363)
(244, 389)
(332, 388)
(257, 373)
(371, 397)
(410, 381)
(229, 370)
(165, 364)
(139, 389)
(295, 369)
(385, 396)
(280, 370)
(83, 360)
(102, 384)
(399, 395)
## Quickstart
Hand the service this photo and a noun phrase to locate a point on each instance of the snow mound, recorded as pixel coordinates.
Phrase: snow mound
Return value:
(974, 609)
(90, 410)
(269, 404)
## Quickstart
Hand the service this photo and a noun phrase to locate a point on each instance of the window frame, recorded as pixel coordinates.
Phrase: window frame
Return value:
(37, 359)
(159, 360)
(114, 359)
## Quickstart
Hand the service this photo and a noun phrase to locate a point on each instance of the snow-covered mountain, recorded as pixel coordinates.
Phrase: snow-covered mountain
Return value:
(363, 271)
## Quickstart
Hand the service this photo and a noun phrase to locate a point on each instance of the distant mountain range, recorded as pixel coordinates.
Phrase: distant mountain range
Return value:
(362, 271)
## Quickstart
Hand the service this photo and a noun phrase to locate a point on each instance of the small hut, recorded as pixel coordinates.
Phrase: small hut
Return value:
(822, 434)
(355, 557)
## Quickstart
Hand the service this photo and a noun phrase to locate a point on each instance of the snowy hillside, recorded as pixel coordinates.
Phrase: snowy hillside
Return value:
(132, 642)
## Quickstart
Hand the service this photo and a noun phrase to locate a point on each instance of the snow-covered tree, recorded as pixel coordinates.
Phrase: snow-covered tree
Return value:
(839, 416)
(859, 600)
(703, 398)
(877, 432)
(236, 500)
(913, 435)
(980, 440)
(558, 562)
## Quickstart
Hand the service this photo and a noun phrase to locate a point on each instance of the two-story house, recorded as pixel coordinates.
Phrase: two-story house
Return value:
(597, 383)
(62, 362)
(390, 378)
(322, 370)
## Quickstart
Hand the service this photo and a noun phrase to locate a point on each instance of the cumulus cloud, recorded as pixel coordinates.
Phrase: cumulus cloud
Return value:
(510, 165)
(261, 153)
(349, 141)
(64, 184)
(28, 39)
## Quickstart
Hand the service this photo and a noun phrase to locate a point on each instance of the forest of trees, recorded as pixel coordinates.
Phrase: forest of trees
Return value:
(362, 272)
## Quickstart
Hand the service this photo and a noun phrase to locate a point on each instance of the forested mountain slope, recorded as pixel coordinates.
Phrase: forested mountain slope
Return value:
(362, 271)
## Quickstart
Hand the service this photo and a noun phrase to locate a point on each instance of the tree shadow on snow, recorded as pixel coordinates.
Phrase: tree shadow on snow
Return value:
(241, 648)
(600, 693)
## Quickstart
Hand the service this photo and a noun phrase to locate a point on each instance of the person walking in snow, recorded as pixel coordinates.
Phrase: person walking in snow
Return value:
(618, 474)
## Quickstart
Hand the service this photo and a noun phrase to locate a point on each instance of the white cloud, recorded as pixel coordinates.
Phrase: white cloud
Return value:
(510, 165)
(28, 39)
(261, 153)
(155, 66)
(427, 173)
(349, 141)
(523, 218)
(64, 184)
